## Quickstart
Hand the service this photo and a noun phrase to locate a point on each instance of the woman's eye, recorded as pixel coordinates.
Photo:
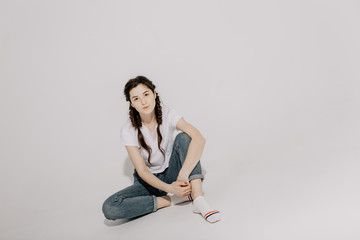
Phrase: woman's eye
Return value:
(146, 94)
(135, 99)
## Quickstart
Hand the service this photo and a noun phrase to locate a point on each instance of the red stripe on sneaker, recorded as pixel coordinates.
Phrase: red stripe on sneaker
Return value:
(210, 213)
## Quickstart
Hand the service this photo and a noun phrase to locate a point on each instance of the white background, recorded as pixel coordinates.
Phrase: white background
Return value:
(272, 85)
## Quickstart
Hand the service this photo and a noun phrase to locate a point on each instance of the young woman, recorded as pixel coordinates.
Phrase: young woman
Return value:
(167, 171)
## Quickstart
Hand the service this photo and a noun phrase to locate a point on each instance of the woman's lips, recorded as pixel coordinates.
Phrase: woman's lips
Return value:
(146, 107)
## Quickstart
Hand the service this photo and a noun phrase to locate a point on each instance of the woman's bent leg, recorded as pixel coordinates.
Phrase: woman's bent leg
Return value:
(177, 159)
(130, 202)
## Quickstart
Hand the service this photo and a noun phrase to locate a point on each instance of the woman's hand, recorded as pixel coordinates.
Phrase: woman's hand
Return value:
(183, 178)
(180, 189)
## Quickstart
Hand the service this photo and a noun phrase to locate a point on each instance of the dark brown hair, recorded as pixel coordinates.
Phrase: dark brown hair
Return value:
(135, 116)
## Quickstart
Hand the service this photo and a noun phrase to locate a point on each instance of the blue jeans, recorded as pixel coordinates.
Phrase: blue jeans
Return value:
(140, 198)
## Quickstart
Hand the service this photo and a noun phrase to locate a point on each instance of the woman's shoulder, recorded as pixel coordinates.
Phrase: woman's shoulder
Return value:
(128, 134)
(164, 109)
(167, 110)
(171, 115)
(127, 126)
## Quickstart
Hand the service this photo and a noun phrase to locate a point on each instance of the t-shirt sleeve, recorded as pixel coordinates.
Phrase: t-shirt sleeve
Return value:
(174, 118)
(128, 137)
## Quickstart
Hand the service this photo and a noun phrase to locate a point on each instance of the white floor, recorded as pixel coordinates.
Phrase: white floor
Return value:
(306, 193)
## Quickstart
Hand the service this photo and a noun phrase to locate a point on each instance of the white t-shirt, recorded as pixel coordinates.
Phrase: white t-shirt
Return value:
(129, 137)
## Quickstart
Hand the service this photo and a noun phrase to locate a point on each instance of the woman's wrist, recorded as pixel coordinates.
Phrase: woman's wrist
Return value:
(183, 175)
(165, 187)
(168, 188)
(152, 180)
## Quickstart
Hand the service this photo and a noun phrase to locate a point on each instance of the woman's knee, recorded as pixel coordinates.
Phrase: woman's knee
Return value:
(107, 210)
(112, 210)
(182, 139)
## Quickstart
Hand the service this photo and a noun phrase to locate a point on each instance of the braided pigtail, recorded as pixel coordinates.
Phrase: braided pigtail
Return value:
(136, 122)
(158, 114)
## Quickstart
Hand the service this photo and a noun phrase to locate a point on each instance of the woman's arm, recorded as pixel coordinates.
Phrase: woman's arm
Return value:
(147, 176)
(142, 170)
(195, 150)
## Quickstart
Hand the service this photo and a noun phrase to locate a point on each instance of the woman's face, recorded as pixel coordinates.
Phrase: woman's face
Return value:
(142, 99)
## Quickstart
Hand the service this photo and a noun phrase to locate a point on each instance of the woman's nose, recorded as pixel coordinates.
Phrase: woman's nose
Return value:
(143, 101)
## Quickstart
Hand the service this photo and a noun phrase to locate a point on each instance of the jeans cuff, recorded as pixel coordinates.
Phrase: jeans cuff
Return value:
(155, 203)
(192, 177)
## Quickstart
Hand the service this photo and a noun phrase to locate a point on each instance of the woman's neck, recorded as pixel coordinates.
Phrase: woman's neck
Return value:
(148, 118)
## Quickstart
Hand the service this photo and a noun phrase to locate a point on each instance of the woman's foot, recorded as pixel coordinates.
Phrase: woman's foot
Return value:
(209, 214)
(163, 201)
